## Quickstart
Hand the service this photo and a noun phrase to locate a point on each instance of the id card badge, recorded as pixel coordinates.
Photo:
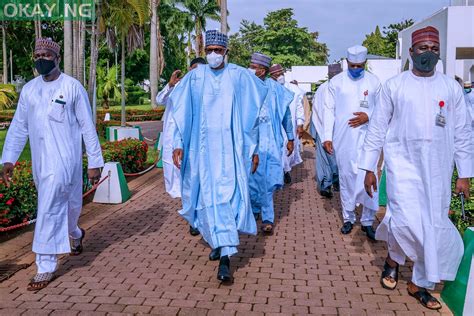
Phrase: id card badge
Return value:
(440, 120)
(364, 104)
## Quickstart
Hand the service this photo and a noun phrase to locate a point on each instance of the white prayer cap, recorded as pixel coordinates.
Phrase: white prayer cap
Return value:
(357, 54)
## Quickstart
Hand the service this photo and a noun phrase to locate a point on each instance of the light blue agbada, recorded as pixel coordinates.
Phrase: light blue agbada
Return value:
(216, 114)
(274, 114)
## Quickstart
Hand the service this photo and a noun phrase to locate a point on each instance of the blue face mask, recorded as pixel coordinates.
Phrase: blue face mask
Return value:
(356, 73)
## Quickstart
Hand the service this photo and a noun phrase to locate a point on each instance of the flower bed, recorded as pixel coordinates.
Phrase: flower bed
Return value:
(133, 115)
(131, 153)
(18, 202)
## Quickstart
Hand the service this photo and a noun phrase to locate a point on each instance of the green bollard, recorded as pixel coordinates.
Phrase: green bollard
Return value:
(455, 293)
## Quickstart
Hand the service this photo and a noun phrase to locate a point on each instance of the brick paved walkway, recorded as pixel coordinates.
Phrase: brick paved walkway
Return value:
(139, 258)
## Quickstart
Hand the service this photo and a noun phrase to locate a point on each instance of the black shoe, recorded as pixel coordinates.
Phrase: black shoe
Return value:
(346, 228)
(287, 178)
(336, 187)
(223, 274)
(215, 254)
(369, 231)
(193, 231)
(326, 193)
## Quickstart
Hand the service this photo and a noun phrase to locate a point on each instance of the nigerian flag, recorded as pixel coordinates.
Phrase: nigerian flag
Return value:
(459, 294)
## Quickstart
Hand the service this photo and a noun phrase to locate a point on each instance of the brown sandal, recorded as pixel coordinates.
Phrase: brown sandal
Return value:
(40, 281)
(267, 227)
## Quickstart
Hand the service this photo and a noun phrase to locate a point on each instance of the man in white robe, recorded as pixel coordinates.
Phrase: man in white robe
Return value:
(274, 117)
(348, 108)
(469, 96)
(216, 109)
(171, 174)
(326, 166)
(54, 114)
(423, 125)
(290, 160)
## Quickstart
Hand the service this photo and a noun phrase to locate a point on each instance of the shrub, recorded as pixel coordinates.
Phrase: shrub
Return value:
(455, 208)
(131, 153)
(19, 201)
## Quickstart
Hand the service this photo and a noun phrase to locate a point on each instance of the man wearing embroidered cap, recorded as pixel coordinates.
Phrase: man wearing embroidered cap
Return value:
(469, 96)
(348, 108)
(274, 117)
(424, 127)
(297, 119)
(54, 114)
(216, 109)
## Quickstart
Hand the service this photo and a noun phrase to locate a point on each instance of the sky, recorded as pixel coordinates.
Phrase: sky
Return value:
(340, 23)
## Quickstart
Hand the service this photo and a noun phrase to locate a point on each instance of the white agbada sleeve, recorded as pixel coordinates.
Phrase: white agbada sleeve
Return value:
(377, 131)
(17, 134)
(328, 113)
(463, 139)
(89, 133)
(300, 109)
(163, 96)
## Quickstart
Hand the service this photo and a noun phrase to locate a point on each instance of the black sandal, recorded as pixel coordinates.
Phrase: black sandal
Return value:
(40, 281)
(389, 272)
(424, 297)
(76, 244)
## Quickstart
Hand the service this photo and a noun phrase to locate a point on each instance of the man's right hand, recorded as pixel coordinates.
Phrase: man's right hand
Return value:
(370, 182)
(255, 162)
(328, 147)
(177, 157)
(8, 172)
(174, 78)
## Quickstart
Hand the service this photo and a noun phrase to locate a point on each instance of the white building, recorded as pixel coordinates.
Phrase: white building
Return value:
(456, 29)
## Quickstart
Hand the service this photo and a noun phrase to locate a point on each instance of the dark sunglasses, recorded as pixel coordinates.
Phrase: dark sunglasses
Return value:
(216, 50)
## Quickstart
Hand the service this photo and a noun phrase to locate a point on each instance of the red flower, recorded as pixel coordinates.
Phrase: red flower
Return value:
(441, 104)
(10, 201)
(1, 195)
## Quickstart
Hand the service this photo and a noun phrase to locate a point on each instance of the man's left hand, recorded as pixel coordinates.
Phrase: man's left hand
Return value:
(360, 119)
(462, 185)
(300, 131)
(290, 146)
(94, 175)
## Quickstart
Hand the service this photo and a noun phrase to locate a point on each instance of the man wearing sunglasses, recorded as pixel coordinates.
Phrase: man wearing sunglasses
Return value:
(215, 108)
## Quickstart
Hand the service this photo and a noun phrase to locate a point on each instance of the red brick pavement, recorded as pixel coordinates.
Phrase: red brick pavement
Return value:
(139, 258)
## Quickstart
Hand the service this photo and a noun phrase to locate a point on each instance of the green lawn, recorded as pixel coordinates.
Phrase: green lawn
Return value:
(25, 155)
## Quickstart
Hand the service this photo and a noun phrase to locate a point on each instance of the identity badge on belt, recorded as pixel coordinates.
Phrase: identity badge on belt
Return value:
(364, 103)
(440, 119)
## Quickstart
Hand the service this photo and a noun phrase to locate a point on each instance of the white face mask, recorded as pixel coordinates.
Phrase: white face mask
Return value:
(281, 79)
(214, 60)
(254, 71)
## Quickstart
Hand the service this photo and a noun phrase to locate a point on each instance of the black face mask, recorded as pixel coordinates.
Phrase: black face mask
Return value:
(44, 66)
(425, 62)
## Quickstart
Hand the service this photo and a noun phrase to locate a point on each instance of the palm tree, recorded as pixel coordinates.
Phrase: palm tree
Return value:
(201, 11)
(124, 20)
(4, 49)
(223, 6)
(154, 30)
(68, 51)
(97, 28)
(108, 86)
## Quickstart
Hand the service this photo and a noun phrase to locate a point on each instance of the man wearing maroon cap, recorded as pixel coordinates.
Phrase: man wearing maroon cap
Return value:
(423, 125)
(54, 114)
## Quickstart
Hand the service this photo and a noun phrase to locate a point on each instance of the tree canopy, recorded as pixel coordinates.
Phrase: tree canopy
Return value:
(385, 43)
(281, 38)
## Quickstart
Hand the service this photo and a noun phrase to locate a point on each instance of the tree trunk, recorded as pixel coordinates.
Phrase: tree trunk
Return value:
(94, 53)
(75, 48)
(199, 41)
(223, 16)
(68, 52)
(5, 59)
(38, 29)
(161, 57)
(153, 52)
(81, 52)
(122, 81)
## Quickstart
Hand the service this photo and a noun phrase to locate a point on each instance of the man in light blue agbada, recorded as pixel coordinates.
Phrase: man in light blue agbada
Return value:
(274, 114)
(216, 109)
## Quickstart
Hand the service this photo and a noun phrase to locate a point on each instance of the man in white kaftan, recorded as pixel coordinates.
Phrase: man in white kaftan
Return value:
(349, 106)
(171, 174)
(297, 119)
(54, 114)
(216, 108)
(274, 117)
(469, 96)
(423, 125)
(326, 166)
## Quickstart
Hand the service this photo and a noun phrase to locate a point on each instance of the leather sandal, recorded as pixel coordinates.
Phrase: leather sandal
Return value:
(40, 281)
(425, 297)
(267, 227)
(387, 274)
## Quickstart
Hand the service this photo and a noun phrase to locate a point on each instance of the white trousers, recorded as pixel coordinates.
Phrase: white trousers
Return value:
(228, 251)
(366, 219)
(49, 263)
(419, 275)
